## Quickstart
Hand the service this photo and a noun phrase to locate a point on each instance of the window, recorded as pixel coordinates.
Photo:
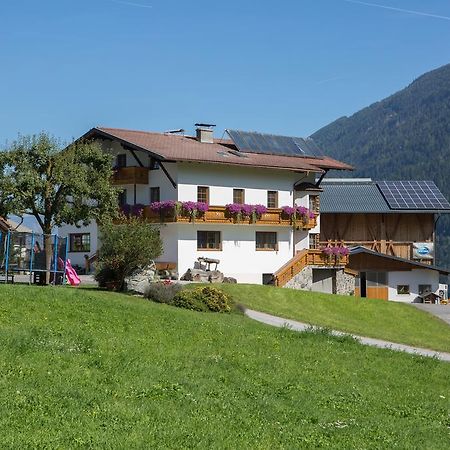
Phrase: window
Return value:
(272, 199)
(402, 289)
(376, 279)
(314, 240)
(154, 164)
(154, 194)
(122, 197)
(238, 196)
(208, 240)
(121, 160)
(80, 242)
(266, 240)
(314, 203)
(424, 288)
(203, 194)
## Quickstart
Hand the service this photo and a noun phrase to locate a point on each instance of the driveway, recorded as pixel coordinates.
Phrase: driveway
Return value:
(441, 311)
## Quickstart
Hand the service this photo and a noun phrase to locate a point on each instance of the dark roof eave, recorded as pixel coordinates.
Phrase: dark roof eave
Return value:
(359, 249)
(97, 132)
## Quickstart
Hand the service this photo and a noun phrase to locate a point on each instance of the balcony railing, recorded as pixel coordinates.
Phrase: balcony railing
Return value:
(305, 258)
(130, 175)
(220, 215)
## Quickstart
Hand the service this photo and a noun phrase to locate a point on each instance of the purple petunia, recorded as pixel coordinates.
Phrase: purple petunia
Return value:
(288, 210)
(136, 210)
(260, 210)
(327, 251)
(233, 208)
(246, 210)
(344, 251)
(202, 207)
(189, 206)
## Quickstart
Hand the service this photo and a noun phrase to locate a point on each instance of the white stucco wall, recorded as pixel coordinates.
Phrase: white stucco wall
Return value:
(223, 179)
(238, 257)
(77, 258)
(413, 278)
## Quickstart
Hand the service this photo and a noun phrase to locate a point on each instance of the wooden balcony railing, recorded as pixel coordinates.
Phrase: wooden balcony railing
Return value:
(220, 215)
(307, 258)
(130, 175)
(401, 249)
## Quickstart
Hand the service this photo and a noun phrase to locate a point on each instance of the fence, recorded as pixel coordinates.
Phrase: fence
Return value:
(22, 252)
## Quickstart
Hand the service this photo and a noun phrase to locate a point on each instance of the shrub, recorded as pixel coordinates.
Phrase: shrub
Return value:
(125, 246)
(203, 299)
(163, 292)
(188, 299)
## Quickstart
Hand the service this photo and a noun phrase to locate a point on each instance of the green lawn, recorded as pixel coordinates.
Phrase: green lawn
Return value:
(396, 322)
(82, 368)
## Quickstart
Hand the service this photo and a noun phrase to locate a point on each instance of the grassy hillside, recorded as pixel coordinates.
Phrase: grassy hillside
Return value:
(392, 321)
(89, 369)
(405, 136)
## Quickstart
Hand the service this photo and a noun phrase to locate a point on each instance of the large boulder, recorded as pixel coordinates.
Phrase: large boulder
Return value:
(203, 276)
(140, 279)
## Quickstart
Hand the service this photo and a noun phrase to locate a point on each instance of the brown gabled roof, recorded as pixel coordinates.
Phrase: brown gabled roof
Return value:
(172, 147)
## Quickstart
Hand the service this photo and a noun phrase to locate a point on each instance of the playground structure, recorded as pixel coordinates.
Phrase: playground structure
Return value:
(25, 253)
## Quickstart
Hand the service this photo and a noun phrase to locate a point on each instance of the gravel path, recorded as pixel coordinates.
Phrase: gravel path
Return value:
(299, 326)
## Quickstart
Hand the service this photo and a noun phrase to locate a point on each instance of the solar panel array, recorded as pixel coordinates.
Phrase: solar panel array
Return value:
(271, 144)
(413, 195)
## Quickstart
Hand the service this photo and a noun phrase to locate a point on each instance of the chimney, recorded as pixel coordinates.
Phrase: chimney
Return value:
(205, 133)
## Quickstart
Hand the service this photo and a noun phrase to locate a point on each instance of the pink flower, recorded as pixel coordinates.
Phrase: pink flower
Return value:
(344, 251)
(260, 210)
(288, 210)
(202, 207)
(246, 210)
(233, 208)
(188, 206)
(327, 251)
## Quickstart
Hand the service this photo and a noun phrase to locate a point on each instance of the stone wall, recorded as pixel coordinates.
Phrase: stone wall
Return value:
(303, 280)
(345, 283)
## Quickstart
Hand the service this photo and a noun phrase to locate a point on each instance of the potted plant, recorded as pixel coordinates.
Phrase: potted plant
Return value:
(328, 254)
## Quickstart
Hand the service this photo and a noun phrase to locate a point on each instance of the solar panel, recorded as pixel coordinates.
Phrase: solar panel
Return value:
(412, 195)
(271, 144)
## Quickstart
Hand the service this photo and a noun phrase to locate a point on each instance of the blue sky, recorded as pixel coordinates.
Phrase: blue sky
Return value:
(285, 66)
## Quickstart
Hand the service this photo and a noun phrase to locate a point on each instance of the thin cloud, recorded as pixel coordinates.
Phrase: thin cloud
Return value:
(328, 80)
(137, 5)
(391, 8)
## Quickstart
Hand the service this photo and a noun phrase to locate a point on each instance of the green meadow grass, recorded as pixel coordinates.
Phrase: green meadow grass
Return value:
(82, 368)
(396, 322)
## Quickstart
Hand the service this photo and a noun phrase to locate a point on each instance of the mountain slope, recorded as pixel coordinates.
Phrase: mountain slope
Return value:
(405, 136)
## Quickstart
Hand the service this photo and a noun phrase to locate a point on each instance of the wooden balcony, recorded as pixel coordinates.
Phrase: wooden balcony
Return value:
(400, 249)
(130, 175)
(307, 258)
(220, 215)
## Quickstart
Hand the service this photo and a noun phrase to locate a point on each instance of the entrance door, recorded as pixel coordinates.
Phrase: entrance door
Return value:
(363, 284)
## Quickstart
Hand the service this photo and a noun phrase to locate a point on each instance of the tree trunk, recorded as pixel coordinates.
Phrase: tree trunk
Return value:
(49, 250)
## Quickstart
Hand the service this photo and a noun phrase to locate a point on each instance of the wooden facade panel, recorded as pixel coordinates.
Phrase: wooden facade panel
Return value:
(377, 292)
(392, 234)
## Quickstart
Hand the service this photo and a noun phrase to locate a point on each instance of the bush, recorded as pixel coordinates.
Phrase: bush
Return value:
(162, 292)
(125, 246)
(105, 275)
(203, 299)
